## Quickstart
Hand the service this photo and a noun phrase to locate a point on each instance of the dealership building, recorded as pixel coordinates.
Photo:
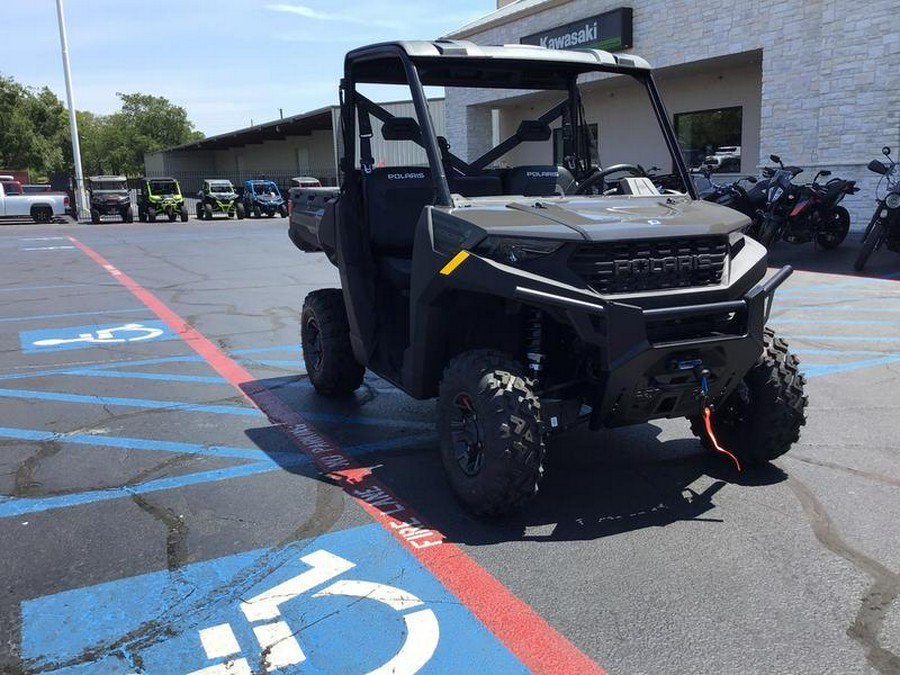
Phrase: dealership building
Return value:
(815, 82)
(300, 145)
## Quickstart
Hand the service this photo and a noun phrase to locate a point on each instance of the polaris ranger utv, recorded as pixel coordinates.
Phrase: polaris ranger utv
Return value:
(527, 297)
(161, 197)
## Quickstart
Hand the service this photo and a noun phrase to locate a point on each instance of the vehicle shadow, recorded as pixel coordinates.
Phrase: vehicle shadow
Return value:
(596, 484)
(882, 264)
(600, 484)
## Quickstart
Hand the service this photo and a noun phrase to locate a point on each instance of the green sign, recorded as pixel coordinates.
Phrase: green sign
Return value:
(610, 31)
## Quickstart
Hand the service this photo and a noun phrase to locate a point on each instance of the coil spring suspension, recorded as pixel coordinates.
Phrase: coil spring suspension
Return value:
(534, 335)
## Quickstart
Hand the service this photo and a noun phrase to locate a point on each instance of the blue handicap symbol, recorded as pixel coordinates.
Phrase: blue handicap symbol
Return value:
(353, 601)
(80, 337)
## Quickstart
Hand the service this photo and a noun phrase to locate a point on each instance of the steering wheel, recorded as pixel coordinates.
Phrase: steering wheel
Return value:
(599, 177)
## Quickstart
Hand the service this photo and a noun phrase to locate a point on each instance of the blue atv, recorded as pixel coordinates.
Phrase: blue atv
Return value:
(263, 197)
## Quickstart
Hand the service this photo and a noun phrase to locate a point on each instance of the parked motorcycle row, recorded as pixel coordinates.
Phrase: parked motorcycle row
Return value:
(782, 209)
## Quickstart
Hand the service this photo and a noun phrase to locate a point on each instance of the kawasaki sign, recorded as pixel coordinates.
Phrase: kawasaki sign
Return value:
(610, 31)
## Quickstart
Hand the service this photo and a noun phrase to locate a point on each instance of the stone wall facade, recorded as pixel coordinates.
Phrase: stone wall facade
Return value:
(830, 95)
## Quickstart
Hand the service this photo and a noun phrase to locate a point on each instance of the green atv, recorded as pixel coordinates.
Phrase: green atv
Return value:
(219, 196)
(161, 196)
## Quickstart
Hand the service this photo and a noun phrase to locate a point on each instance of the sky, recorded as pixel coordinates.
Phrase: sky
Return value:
(229, 63)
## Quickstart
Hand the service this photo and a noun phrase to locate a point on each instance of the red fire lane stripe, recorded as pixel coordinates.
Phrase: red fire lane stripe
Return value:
(525, 633)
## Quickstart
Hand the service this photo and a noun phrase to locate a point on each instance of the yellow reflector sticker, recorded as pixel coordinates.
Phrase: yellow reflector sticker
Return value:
(455, 262)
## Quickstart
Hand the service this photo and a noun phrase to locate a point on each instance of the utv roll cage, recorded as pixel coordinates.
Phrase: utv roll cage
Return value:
(453, 63)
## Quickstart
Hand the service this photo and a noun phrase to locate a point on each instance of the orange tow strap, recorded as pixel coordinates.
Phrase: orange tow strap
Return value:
(708, 421)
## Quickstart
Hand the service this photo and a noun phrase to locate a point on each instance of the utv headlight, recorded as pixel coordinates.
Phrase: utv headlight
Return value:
(452, 236)
(512, 250)
(892, 201)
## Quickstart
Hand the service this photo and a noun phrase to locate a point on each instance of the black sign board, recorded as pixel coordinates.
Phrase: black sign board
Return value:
(610, 31)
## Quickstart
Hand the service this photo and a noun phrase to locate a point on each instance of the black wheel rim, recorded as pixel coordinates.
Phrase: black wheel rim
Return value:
(313, 348)
(465, 434)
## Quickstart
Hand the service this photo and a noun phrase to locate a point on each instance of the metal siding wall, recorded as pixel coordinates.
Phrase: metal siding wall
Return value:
(394, 153)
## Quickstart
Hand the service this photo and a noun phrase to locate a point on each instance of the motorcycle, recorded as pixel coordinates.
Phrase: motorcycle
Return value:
(751, 202)
(801, 213)
(884, 228)
(734, 195)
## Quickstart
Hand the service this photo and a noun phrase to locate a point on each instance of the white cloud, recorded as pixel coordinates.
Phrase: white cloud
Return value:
(310, 13)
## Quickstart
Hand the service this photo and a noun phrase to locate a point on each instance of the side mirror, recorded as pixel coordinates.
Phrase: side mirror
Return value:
(877, 167)
(401, 129)
(533, 130)
(825, 172)
(775, 158)
(885, 151)
(751, 179)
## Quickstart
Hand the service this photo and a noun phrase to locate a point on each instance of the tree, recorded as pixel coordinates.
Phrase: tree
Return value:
(144, 124)
(33, 131)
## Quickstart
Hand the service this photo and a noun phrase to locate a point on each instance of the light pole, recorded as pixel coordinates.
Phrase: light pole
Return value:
(81, 210)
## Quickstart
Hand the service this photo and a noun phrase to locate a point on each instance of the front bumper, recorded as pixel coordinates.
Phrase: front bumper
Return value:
(641, 373)
(167, 206)
(268, 207)
(110, 208)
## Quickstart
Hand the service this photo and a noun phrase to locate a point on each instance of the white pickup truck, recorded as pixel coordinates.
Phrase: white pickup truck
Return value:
(41, 207)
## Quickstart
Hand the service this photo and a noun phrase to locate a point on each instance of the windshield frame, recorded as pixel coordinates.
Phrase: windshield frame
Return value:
(367, 66)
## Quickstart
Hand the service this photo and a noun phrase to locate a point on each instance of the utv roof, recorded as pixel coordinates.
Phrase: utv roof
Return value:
(110, 178)
(463, 63)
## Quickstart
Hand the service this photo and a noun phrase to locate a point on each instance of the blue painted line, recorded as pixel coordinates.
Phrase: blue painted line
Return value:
(187, 358)
(383, 387)
(828, 309)
(180, 406)
(391, 444)
(366, 421)
(264, 350)
(40, 288)
(99, 367)
(132, 375)
(848, 299)
(838, 322)
(122, 364)
(175, 406)
(840, 352)
(826, 288)
(19, 507)
(817, 370)
(35, 317)
(843, 338)
(136, 444)
(273, 362)
(262, 463)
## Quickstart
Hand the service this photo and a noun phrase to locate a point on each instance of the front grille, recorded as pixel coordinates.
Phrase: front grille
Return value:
(651, 265)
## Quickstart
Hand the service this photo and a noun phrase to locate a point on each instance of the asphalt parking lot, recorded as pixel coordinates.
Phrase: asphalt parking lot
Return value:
(174, 498)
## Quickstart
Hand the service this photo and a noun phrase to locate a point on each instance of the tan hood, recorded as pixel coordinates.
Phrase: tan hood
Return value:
(600, 218)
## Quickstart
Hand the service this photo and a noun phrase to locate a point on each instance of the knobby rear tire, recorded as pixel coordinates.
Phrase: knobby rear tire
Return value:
(325, 336)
